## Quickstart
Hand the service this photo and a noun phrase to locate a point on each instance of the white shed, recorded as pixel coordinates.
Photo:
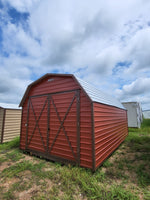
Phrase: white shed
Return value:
(146, 114)
(134, 113)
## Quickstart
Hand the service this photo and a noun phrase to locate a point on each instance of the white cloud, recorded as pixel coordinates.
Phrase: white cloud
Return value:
(9, 105)
(21, 42)
(21, 5)
(139, 86)
(138, 90)
(138, 51)
(11, 89)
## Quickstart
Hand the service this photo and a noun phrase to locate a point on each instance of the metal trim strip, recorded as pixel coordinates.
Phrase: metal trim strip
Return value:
(48, 121)
(26, 143)
(78, 126)
(93, 139)
(51, 94)
(3, 125)
(21, 127)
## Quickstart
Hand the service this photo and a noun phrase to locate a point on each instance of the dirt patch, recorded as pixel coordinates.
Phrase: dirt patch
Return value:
(27, 194)
(8, 183)
(130, 156)
(103, 169)
(4, 165)
(132, 176)
(26, 175)
(48, 169)
(80, 196)
(49, 183)
(29, 158)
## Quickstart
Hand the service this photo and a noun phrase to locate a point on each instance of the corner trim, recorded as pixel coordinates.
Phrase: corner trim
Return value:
(3, 125)
(93, 139)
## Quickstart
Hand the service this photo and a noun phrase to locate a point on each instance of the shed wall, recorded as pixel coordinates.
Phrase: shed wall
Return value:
(1, 123)
(53, 85)
(134, 114)
(110, 127)
(12, 124)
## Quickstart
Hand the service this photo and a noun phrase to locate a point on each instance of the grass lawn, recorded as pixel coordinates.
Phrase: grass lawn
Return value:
(125, 175)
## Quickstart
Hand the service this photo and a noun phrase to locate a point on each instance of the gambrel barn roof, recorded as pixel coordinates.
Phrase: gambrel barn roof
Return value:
(93, 93)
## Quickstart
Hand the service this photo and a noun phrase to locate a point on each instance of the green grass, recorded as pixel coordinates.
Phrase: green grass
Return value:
(9, 145)
(143, 175)
(14, 170)
(124, 175)
(9, 195)
(14, 155)
(146, 123)
(9, 151)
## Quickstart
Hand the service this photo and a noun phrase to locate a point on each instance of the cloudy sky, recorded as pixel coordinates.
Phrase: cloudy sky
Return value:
(106, 43)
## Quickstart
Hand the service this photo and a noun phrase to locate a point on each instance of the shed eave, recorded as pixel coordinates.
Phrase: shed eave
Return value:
(123, 108)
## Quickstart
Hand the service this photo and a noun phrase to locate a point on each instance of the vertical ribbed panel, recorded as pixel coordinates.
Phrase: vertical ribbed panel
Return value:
(110, 130)
(60, 92)
(12, 124)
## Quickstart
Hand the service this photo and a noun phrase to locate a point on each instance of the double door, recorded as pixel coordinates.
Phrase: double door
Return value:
(53, 125)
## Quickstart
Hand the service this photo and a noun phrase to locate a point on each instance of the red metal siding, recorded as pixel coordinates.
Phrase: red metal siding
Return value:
(110, 126)
(53, 84)
(59, 144)
(37, 124)
(85, 131)
(65, 144)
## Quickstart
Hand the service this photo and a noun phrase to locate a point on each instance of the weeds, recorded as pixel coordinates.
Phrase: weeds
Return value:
(143, 175)
(14, 155)
(145, 124)
(9, 145)
(118, 192)
(107, 163)
(14, 170)
(9, 195)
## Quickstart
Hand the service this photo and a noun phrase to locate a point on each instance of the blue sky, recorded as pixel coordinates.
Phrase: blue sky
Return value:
(106, 43)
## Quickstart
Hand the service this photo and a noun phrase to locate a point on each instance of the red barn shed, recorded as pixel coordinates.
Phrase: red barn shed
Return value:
(66, 119)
